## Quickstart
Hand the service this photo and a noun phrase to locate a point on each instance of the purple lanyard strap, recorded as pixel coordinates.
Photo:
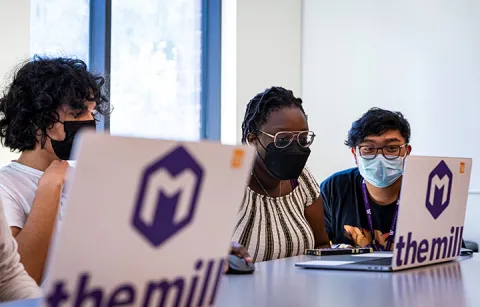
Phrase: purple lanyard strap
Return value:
(370, 221)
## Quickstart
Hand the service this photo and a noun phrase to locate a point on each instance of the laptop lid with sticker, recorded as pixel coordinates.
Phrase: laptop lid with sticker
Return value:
(148, 222)
(432, 210)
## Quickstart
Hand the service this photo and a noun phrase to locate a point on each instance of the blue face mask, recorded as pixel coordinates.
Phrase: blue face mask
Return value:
(380, 172)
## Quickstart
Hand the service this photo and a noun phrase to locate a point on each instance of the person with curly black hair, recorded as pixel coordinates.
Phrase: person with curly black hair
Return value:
(48, 101)
(281, 214)
(361, 203)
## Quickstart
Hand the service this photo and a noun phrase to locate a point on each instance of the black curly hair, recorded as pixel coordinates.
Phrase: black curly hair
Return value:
(260, 107)
(28, 107)
(377, 121)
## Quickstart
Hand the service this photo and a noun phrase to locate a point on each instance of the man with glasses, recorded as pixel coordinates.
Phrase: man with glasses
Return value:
(361, 203)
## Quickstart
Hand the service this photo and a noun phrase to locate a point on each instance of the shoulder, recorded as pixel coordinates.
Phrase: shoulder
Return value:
(343, 177)
(5, 170)
(8, 171)
(8, 179)
(307, 175)
(340, 184)
(308, 187)
(307, 178)
(19, 176)
(18, 187)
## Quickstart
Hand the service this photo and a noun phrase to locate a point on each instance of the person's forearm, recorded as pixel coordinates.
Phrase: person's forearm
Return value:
(320, 240)
(320, 236)
(34, 238)
(323, 245)
(315, 218)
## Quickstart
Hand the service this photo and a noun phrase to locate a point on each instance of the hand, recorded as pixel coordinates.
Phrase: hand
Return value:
(240, 251)
(359, 237)
(55, 174)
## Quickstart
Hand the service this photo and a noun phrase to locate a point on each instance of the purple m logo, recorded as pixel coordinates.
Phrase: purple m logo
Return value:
(168, 196)
(439, 189)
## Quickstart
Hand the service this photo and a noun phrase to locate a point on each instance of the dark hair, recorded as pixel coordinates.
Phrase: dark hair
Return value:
(29, 105)
(260, 107)
(376, 122)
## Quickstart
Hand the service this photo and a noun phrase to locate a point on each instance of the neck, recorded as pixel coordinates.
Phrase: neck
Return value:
(266, 180)
(385, 196)
(37, 159)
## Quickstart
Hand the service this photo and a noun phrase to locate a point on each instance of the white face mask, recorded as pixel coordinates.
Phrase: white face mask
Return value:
(380, 172)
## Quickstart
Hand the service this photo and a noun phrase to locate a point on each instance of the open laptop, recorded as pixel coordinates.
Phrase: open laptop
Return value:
(433, 202)
(148, 222)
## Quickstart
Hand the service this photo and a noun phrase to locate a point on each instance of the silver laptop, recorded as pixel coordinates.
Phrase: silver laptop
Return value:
(148, 222)
(433, 202)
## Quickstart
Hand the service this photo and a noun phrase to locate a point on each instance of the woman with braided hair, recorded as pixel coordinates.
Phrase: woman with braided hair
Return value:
(282, 213)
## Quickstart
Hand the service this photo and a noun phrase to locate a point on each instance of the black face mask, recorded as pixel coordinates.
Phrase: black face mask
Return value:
(286, 163)
(63, 148)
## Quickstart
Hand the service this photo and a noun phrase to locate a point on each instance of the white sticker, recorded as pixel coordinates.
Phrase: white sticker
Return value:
(325, 262)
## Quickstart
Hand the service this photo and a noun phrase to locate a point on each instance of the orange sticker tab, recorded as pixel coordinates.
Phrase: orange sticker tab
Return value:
(462, 167)
(237, 158)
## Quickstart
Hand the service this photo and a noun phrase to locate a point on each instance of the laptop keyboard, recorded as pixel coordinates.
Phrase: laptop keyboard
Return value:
(378, 261)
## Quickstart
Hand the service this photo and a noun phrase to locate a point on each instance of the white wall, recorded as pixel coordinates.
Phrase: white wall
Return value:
(261, 47)
(15, 34)
(419, 57)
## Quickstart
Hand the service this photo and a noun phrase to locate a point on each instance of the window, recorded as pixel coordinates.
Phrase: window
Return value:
(59, 28)
(161, 60)
(155, 85)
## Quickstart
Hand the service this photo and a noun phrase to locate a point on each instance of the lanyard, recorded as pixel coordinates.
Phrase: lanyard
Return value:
(370, 222)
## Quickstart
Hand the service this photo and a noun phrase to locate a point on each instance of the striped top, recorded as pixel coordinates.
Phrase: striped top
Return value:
(276, 227)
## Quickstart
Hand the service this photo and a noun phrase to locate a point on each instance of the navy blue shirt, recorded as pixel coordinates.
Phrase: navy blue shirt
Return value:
(345, 213)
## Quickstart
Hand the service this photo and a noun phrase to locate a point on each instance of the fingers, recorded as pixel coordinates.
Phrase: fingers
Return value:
(241, 251)
(59, 164)
(245, 255)
(357, 231)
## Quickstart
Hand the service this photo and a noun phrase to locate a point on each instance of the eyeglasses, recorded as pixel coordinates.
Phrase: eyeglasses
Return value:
(390, 152)
(284, 138)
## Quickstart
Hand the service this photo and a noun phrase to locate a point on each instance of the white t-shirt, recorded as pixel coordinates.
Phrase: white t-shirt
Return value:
(18, 186)
(15, 284)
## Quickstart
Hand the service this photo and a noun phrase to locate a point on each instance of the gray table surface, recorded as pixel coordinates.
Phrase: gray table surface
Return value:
(279, 283)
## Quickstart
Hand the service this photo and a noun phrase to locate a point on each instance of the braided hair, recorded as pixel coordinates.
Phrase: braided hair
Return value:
(260, 107)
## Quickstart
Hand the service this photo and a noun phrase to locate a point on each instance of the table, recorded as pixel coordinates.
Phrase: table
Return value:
(279, 283)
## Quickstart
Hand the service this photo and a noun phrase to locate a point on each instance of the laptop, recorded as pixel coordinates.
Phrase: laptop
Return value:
(148, 222)
(433, 202)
